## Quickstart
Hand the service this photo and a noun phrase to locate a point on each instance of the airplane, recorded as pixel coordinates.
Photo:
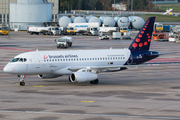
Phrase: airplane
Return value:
(84, 65)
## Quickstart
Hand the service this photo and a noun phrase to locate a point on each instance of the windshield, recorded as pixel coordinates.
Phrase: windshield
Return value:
(56, 28)
(61, 40)
(18, 60)
(70, 28)
(4, 28)
(159, 25)
(124, 28)
(95, 29)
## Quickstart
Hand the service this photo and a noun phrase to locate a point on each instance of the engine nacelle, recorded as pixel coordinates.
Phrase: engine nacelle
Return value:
(83, 76)
(47, 76)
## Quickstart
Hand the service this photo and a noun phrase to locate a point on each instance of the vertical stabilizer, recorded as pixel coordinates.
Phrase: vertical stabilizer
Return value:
(143, 39)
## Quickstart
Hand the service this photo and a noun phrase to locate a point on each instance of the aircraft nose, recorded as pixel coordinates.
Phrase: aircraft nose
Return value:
(7, 69)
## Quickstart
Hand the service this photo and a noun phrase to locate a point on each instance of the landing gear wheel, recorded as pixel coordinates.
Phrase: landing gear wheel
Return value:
(22, 83)
(94, 81)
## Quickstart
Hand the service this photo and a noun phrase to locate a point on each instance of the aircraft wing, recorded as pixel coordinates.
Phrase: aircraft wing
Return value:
(110, 68)
(164, 61)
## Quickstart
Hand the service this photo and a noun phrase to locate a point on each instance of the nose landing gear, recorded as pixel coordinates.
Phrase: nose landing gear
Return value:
(22, 83)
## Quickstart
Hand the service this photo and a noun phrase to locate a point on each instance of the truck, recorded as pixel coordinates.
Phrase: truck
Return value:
(106, 29)
(3, 30)
(85, 28)
(116, 35)
(123, 29)
(166, 28)
(53, 31)
(103, 36)
(44, 30)
(64, 42)
(70, 30)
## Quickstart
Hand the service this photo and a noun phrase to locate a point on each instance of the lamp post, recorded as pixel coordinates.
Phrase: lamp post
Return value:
(9, 20)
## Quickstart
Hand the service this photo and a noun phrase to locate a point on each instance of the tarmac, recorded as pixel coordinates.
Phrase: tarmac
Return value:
(142, 93)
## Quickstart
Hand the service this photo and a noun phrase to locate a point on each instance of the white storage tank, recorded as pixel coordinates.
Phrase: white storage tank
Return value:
(102, 18)
(72, 18)
(79, 20)
(64, 21)
(94, 20)
(109, 21)
(136, 22)
(88, 17)
(26, 13)
(123, 22)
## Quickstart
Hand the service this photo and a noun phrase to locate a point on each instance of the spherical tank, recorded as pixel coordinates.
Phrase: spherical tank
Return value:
(64, 21)
(88, 17)
(72, 18)
(109, 21)
(123, 22)
(79, 20)
(137, 22)
(102, 18)
(94, 19)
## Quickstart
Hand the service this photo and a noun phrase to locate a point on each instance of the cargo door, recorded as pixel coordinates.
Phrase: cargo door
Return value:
(37, 61)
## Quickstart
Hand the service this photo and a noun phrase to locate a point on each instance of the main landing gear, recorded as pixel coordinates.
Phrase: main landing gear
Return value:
(22, 83)
(94, 81)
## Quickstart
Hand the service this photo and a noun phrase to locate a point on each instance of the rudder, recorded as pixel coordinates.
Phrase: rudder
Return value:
(143, 39)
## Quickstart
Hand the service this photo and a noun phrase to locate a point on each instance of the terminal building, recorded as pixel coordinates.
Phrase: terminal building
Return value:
(5, 4)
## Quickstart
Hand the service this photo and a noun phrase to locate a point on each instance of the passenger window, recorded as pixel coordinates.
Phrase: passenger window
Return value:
(44, 60)
(82, 59)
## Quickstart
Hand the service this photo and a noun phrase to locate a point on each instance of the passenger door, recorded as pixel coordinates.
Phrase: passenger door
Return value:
(37, 61)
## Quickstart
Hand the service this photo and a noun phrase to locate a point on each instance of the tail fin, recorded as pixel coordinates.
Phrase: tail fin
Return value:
(143, 39)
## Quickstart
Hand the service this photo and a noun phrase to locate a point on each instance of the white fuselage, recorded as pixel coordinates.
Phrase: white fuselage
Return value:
(60, 62)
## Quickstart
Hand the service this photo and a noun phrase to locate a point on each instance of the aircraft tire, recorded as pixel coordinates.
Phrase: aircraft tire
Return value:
(22, 83)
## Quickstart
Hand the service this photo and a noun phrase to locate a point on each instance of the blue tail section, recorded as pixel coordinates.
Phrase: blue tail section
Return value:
(143, 39)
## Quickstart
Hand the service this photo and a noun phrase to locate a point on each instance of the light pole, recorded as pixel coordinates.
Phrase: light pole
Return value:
(114, 5)
(149, 8)
(9, 20)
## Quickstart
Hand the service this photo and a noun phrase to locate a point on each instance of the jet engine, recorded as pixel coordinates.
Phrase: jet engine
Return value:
(48, 76)
(82, 76)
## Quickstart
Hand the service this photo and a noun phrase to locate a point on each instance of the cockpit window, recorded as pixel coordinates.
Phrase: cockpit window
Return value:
(14, 59)
(18, 60)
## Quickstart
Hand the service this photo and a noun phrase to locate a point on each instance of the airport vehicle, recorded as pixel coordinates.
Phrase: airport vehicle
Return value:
(4, 31)
(123, 29)
(102, 36)
(71, 31)
(106, 29)
(84, 65)
(116, 35)
(44, 30)
(64, 42)
(85, 28)
(53, 31)
(158, 27)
